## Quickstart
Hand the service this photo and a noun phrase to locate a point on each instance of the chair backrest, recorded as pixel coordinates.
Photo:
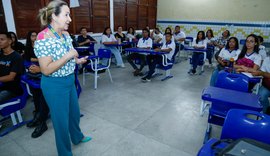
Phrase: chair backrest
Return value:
(188, 38)
(242, 41)
(232, 81)
(104, 53)
(246, 124)
(13, 108)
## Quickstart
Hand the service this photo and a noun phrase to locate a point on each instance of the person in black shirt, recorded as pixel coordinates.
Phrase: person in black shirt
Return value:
(84, 39)
(120, 35)
(29, 54)
(16, 45)
(11, 68)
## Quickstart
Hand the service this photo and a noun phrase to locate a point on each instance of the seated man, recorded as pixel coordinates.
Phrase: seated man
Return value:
(153, 60)
(145, 42)
(11, 68)
(84, 39)
(264, 91)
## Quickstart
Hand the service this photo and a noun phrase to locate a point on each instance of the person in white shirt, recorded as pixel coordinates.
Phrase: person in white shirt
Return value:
(153, 60)
(210, 42)
(262, 50)
(179, 38)
(231, 50)
(107, 38)
(146, 43)
(198, 43)
(264, 91)
(249, 52)
(156, 36)
(131, 34)
(167, 30)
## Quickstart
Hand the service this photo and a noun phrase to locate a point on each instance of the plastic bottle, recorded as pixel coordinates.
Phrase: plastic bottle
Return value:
(231, 62)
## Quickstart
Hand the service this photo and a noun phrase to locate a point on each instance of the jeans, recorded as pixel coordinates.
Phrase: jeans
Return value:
(116, 54)
(209, 55)
(196, 59)
(152, 61)
(264, 93)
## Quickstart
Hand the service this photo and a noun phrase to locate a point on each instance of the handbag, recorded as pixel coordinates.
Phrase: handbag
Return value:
(245, 62)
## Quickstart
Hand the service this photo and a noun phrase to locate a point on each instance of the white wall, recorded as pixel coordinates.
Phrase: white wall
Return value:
(233, 10)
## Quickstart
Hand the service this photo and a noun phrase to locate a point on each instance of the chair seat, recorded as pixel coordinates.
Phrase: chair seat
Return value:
(207, 149)
(31, 82)
(99, 67)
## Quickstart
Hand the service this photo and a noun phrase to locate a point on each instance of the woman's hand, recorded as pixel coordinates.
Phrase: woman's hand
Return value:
(34, 69)
(72, 54)
(81, 60)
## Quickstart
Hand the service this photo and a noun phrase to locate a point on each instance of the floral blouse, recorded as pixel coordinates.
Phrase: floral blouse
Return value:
(54, 47)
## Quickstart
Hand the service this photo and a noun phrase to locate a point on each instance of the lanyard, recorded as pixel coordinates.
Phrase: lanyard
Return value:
(64, 42)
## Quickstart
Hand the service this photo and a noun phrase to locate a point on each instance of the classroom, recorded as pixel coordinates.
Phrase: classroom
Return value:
(134, 77)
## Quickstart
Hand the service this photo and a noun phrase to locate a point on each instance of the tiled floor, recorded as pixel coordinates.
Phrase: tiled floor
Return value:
(129, 118)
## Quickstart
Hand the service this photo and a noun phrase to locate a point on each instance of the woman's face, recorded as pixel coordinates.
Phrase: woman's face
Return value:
(225, 34)
(120, 29)
(33, 36)
(232, 44)
(209, 34)
(108, 31)
(63, 19)
(200, 35)
(250, 42)
(13, 38)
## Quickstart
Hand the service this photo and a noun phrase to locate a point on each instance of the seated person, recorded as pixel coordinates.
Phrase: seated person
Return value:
(84, 39)
(264, 91)
(153, 60)
(11, 68)
(262, 51)
(156, 36)
(209, 38)
(230, 51)
(120, 35)
(145, 42)
(131, 34)
(41, 108)
(16, 45)
(222, 41)
(198, 43)
(179, 37)
(107, 38)
(249, 59)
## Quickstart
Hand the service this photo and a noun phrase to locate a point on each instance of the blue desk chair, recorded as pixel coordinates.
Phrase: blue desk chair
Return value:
(95, 65)
(242, 42)
(166, 66)
(241, 124)
(232, 81)
(11, 108)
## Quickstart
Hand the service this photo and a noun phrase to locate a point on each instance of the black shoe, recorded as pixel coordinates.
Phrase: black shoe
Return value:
(267, 111)
(35, 122)
(145, 79)
(40, 129)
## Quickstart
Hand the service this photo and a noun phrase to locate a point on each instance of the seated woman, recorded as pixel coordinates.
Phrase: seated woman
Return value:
(131, 34)
(153, 60)
(119, 34)
(145, 42)
(41, 108)
(106, 39)
(249, 59)
(231, 50)
(156, 36)
(16, 45)
(210, 42)
(264, 91)
(168, 30)
(198, 43)
(222, 41)
(262, 50)
(11, 69)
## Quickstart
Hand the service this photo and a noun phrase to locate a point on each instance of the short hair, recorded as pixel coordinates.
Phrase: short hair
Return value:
(54, 7)
(147, 30)
(7, 34)
(177, 26)
(83, 28)
(260, 38)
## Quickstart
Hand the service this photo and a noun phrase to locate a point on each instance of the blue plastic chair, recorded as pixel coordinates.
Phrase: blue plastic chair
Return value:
(189, 39)
(96, 65)
(232, 81)
(241, 124)
(166, 66)
(242, 41)
(11, 108)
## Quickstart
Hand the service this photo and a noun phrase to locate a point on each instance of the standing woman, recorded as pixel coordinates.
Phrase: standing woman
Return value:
(57, 59)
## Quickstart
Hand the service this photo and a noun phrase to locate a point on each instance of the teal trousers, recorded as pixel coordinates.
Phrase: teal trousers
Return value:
(61, 97)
